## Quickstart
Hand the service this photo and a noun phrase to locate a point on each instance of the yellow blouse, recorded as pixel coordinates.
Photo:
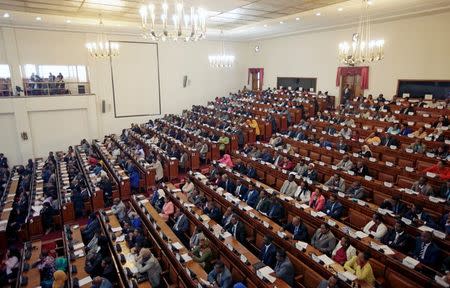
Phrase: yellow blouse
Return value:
(253, 124)
(362, 273)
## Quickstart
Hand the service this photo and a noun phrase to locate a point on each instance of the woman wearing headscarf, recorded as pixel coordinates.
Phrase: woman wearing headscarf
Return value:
(226, 159)
(366, 152)
(59, 279)
(203, 254)
(147, 263)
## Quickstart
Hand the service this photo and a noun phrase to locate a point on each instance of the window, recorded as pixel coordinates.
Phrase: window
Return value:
(71, 73)
(4, 71)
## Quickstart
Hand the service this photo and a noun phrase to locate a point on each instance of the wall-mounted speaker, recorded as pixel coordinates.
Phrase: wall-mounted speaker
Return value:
(185, 79)
(103, 106)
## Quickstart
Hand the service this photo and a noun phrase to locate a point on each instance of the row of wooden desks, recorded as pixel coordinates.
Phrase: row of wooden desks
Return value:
(260, 225)
(170, 164)
(146, 171)
(119, 175)
(7, 201)
(34, 222)
(293, 207)
(213, 147)
(240, 258)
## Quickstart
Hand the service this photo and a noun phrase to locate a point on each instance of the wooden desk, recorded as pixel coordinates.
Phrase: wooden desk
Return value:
(79, 262)
(34, 222)
(33, 274)
(7, 203)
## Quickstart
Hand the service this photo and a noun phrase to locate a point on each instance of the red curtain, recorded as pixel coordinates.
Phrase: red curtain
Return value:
(351, 71)
(255, 71)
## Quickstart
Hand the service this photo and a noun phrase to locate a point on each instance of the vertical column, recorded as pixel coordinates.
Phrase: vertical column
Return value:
(12, 56)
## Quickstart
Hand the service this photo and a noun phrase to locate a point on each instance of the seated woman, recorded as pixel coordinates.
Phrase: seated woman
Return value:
(167, 210)
(373, 138)
(226, 159)
(9, 267)
(203, 254)
(148, 265)
(317, 201)
(360, 266)
(418, 146)
(394, 129)
(419, 133)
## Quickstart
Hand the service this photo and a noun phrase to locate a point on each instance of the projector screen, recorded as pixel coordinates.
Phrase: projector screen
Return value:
(135, 78)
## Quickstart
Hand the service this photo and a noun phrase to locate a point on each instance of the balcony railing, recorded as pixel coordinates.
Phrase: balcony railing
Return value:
(5, 87)
(55, 88)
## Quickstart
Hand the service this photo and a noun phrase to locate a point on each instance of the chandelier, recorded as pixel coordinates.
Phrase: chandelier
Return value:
(186, 25)
(102, 48)
(362, 49)
(221, 60)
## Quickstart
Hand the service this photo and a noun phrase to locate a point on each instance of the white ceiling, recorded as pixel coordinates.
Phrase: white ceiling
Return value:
(239, 19)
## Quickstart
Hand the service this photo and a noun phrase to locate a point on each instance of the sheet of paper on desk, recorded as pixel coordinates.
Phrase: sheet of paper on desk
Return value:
(327, 260)
(387, 250)
(301, 245)
(349, 276)
(361, 234)
(226, 234)
(78, 246)
(177, 245)
(79, 253)
(37, 209)
(410, 262)
(84, 281)
(116, 229)
(266, 270)
(425, 228)
(121, 238)
(186, 257)
(143, 201)
(205, 217)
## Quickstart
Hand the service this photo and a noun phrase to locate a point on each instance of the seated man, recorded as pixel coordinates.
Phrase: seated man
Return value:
(418, 216)
(237, 229)
(203, 254)
(361, 169)
(425, 250)
(119, 209)
(220, 276)
(341, 145)
(181, 226)
(333, 208)
(422, 187)
(397, 238)
(395, 205)
(356, 190)
(336, 183)
(332, 282)
(284, 268)
(389, 140)
(324, 239)
(263, 204)
(268, 252)
(213, 211)
(301, 167)
(298, 229)
(324, 143)
(345, 164)
(252, 196)
(311, 172)
(289, 186)
(241, 190)
(276, 211)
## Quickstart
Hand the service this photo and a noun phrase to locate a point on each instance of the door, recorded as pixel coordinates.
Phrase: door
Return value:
(354, 83)
(256, 78)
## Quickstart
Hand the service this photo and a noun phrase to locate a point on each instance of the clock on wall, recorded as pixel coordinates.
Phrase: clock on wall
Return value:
(257, 48)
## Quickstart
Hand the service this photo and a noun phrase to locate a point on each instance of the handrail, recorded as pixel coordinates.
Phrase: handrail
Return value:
(55, 87)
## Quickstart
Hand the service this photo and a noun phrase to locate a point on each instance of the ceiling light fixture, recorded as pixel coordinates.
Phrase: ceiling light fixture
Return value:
(318, 14)
(221, 60)
(298, 18)
(103, 48)
(6, 15)
(340, 9)
(38, 18)
(68, 21)
(281, 22)
(187, 25)
(362, 49)
(265, 25)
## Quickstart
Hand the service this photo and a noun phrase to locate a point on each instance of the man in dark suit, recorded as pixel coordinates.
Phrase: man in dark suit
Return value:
(395, 205)
(298, 229)
(181, 226)
(266, 156)
(417, 216)
(240, 167)
(341, 145)
(220, 276)
(334, 208)
(227, 184)
(426, 251)
(251, 172)
(361, 169)
(237, 229)
(276, 212)
(241, 190)
(397, 238)
(284, 268)
(268, 252)
(264, 202)
(388, 141)
(213, 211)
(252, 196)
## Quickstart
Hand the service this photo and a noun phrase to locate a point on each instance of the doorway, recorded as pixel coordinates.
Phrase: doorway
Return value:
(256, 76)
(354, 83)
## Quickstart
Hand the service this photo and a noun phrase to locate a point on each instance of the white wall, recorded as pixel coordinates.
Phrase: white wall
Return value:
(415, 48)
(23, 46)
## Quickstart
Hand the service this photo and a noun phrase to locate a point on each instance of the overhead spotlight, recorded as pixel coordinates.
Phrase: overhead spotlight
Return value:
(281, 22)
(265, 25)
(340, 9)
(370, 2)
(318, 14)
(298, 18)
(6, 15)
(38, 18)
(68, 21)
